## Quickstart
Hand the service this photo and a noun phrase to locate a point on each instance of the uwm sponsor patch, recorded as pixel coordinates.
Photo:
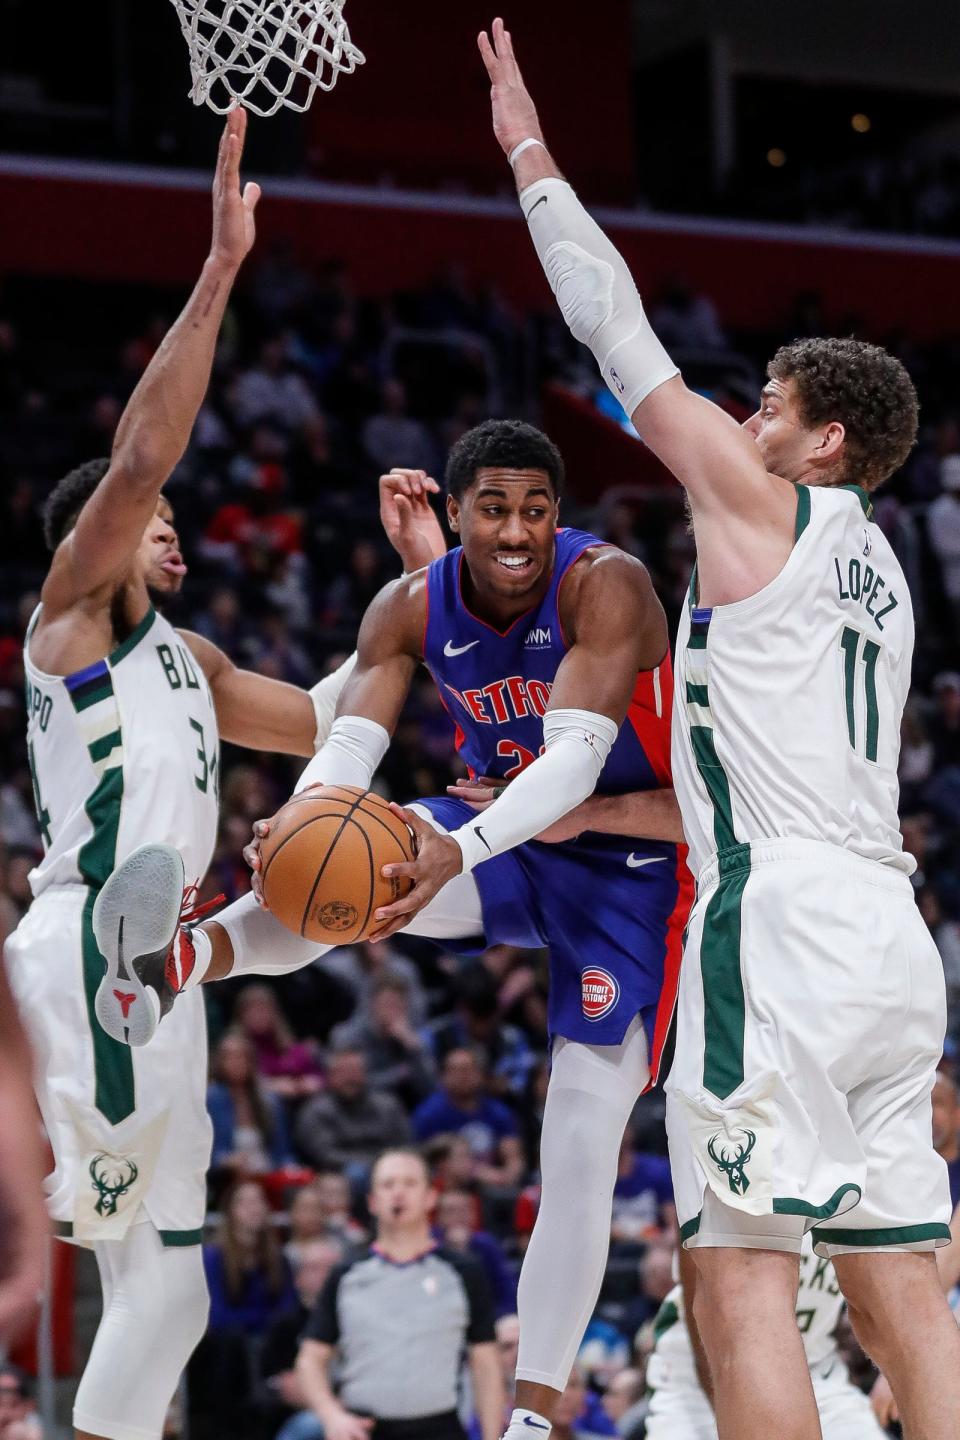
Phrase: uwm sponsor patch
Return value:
(599, 992)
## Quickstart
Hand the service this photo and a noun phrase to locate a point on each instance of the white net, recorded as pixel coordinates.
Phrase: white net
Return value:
(265, 53)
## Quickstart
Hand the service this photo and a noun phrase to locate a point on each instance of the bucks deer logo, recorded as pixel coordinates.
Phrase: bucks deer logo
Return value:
(733, 1165)
(111, 1178)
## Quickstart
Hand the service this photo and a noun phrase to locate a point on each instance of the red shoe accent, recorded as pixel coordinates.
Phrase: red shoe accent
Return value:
(125, 1001)
(182, 955)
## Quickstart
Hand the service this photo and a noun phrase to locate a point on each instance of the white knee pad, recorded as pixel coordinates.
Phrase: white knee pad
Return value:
(261, 945)
(155, 1312)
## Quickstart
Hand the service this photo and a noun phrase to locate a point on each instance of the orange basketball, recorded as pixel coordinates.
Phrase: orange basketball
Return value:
(321, 863)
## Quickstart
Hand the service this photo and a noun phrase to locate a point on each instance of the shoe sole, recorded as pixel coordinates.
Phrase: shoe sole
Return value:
(135, 917)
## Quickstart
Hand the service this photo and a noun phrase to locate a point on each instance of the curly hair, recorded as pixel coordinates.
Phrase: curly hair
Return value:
(67, 499)
(866, 389)
(510, 444)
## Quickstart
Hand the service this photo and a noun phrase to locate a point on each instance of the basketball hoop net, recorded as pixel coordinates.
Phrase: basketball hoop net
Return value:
(256, 51)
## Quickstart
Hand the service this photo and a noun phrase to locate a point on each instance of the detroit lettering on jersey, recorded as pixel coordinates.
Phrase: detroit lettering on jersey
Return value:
(497, 685)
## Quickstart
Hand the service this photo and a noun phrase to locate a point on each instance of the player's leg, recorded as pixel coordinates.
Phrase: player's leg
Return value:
(151, 956)
(155, 1312)
(902, 1320)
(745, 1309)
(592, 1091)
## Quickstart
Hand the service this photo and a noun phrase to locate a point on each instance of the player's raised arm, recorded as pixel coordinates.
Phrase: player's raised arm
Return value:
(706, 450)
(155, 427)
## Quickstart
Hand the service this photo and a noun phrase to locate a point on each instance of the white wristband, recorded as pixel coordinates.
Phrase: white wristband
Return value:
(518, 150)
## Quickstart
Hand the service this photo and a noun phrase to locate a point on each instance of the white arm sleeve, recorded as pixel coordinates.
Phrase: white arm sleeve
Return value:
(577, 745)
(325, 695)
(351, 754)
(596, 292)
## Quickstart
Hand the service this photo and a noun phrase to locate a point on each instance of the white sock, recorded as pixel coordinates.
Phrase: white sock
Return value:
(527, 1425)
(203, 954)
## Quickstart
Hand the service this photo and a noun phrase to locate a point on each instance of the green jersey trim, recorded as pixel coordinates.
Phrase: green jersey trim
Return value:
(690, 1227)
(666, 1317)
(114, 1094)
(803, 512)
(724, 1004)
(133, 639)
(866, 504)
(895, 1235)
(790, 1206)
(174, 1239)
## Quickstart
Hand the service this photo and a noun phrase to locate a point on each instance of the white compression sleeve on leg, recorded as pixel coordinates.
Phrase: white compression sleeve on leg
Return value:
(577, 745)
(349, 756)
(592, 1090)
(325, 695)
(155, 1311)
(261, 945)
(596, 292)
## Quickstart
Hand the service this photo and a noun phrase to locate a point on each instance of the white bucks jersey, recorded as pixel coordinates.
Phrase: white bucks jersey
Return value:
(123, 752)
(786, 722)
(819, 1307)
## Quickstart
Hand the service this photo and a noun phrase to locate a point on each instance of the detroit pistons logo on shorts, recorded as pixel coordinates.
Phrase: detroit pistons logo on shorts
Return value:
(599, 992)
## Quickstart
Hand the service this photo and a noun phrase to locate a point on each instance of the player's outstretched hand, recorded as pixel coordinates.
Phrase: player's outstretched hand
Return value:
(514, 113)
(234, 227)
(438, 859)
(408, 518)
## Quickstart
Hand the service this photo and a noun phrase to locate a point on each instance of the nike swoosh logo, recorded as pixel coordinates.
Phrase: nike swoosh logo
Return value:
(634, 864)
(535, 1424)
(479, 834)
(541, 201)
(450, 649)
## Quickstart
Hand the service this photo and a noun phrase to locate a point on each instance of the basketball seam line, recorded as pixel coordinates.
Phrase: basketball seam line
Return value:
(327, 815)
(326, 861)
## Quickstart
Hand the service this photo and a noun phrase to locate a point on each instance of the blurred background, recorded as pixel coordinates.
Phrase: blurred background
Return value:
(771, 171)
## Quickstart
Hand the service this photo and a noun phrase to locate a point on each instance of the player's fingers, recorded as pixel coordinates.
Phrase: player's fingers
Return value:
(488, 54)
(430, 485)
(403, 869)
(251, 195)
(419, 827)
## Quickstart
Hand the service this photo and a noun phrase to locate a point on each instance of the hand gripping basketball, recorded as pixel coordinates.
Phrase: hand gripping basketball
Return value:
(438, 859)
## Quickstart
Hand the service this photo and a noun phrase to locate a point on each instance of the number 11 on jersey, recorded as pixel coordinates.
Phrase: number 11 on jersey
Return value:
(860, 656)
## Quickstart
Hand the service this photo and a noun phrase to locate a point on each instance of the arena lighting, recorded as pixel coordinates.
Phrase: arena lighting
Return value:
(861, 123)
(777, 158)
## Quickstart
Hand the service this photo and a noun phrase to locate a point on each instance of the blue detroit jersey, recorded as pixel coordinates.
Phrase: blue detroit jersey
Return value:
(611, 908)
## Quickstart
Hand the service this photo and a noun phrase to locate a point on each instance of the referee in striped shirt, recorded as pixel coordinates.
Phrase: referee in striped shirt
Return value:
(400, 1317)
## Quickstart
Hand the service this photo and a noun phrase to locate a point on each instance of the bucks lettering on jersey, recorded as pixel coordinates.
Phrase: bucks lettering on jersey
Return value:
(787, 715)
(123, 752)
(819, 1306)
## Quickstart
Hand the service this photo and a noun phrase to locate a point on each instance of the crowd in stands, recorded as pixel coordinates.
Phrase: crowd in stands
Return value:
(316, 391)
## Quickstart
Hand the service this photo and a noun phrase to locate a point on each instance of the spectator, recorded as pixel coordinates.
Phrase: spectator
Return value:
(273, 390)
(476, 1022)
(943, 531)
(347, 1126)
(249, 1126)
(250, 1287)
(391, 438)
(396, 1057)
(655, 1274)
(321, 1211)
(290, 1067)
(624, 1403)
(401, 1317)
(462, 1107)
(283, 1397)
(579, 1415)
(248, 1278)
(946, 1130)
(643, 1195)
(944, 727)
(18, 1415)
(456, 1229)
(359, 967)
